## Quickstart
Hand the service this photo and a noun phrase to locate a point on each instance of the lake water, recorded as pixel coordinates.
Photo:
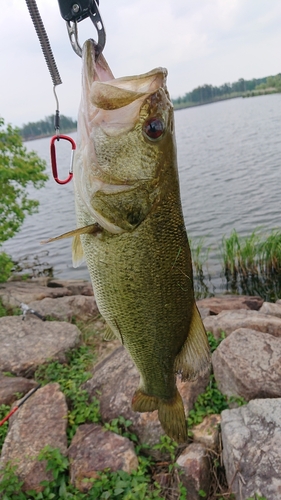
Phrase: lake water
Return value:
(229, 156)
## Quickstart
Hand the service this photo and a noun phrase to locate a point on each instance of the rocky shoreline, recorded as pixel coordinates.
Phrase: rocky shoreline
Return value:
(246, 364)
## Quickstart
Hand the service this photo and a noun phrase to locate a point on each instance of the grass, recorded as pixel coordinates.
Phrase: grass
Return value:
(252, 265)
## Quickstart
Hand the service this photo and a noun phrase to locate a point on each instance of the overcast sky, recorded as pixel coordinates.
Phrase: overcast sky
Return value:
(198, 41)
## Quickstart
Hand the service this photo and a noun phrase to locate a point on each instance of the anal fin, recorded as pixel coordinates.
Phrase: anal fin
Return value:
(143, 402)
(194, 356)
(108, 334)
(77, 251)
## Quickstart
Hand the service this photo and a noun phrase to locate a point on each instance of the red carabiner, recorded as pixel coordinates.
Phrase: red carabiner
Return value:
(54, 159)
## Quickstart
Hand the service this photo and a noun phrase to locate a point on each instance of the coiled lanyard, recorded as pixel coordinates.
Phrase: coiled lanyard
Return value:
(72, 13)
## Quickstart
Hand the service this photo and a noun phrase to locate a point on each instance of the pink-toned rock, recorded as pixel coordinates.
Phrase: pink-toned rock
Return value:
(13, 293)
(10, 387)
(248, 364)
(194, 463)
(114, 382)
(204, 311)
(229, 321)
(77, 287)
(24, 345)
(230, 302)
(271, 308)
(81, 307)
(39, 422)
(94, 449)
(207, 433)
(210, 323)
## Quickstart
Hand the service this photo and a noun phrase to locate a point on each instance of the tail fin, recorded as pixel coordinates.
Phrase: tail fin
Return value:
(172, 418)
(170, 413)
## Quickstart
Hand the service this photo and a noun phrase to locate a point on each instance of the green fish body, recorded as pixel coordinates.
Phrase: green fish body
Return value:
(135, 243)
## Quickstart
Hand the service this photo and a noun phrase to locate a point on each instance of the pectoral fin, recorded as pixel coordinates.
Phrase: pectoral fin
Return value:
(91, 229)
(194, 356)
(77, 251)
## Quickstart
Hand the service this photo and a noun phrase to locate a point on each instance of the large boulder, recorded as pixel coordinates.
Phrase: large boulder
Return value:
(114, 382)
(94, 449)
(248, 364)
(230, 302)
(24, 345)
(229, 321)
(81, 307)
(251, 438)
(39, 422)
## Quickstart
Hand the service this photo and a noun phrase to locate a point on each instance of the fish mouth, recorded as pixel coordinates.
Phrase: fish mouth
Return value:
(108, 93)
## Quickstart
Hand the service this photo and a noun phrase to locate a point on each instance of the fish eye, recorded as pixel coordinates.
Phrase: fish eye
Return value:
(154, 128)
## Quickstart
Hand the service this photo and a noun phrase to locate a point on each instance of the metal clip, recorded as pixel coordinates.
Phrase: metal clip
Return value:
(54, 159)
(78, 13)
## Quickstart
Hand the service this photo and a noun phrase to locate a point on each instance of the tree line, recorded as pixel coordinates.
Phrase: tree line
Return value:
(209, 93)
(202, 94)
(46, 127)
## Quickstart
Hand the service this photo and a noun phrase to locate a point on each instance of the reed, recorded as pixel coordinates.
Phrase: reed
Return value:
(201, 276)
(199, 253)
(252, 265)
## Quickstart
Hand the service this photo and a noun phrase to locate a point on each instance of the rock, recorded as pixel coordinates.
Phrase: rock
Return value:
(76, 287)
(13, 293)
(65, 308)
(26, 344)
(230, 302)
(228, 321)
(248, 364)
(270, 308)
(39, 422)
(207, 433)
(203, 311)
(10, 387)
(194, 463)
(114, 382)
(210, 323)
(93, 449)
(251, 438)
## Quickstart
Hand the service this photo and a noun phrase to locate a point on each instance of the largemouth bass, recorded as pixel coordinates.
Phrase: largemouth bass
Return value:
(132, 233)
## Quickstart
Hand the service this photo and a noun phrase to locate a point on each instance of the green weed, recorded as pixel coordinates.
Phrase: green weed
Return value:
(167, 445)
(121, 426)
(6, 266)
(4, 410)
(70, 377)
(213, 342)
(109, 485)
